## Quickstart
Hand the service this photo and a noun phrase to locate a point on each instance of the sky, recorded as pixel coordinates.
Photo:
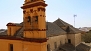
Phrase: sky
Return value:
(10, 11)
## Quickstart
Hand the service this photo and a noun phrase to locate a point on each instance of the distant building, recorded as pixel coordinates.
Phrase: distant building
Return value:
(35, 34)
(86, 29)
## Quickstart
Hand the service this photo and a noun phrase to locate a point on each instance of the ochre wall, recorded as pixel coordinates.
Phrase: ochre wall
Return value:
(41, 23)
(28, 46)
(22, 45)
(13, 29)
(4, 45)
(35, 34)
(41, 19)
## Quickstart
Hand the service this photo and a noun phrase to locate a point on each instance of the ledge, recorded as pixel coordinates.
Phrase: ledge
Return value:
(37, 40)
(35, 29)
(33, 5)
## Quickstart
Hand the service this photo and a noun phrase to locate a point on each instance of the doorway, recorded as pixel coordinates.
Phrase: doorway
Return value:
(69, 40)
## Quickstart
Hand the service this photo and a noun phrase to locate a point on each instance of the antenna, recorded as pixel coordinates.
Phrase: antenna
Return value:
(74, 26)
(74, 19)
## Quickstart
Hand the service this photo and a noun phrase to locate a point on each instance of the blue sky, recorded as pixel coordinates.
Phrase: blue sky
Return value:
(10, 11)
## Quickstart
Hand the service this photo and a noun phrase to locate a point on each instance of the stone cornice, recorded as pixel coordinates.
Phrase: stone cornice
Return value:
(34, 4)
(37, 40)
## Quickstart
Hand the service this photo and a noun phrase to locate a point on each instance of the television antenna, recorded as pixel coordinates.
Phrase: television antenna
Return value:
(74, 19)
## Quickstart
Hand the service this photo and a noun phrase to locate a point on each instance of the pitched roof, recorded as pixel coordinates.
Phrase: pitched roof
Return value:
(19, 32)
(18, 24)
(82, 47)
(2, 30)
(54, 29)
(61, 23)
(67, 47)
(4, 33)
(69, 28)
(70, 47)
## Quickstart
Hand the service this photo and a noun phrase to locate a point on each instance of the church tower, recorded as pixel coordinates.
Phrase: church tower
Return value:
(34, 24)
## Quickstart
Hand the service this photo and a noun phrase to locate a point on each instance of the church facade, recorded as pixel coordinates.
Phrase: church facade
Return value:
(35, 34)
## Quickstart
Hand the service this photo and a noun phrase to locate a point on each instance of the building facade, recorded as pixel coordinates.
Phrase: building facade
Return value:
(35, 34)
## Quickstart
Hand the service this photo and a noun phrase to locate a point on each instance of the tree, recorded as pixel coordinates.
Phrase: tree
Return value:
(87, 37)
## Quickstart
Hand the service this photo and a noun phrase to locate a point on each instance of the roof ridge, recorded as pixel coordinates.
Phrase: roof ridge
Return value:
(62, 21)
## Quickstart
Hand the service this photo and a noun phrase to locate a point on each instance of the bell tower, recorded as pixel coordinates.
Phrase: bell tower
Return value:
(34, 18)
(34, 23)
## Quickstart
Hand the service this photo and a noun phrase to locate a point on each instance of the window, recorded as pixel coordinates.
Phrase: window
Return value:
(10, 31)
(36, 19)
(48, 47)
(11, 47)
(55, 45)
(28, 19)
(35, 22)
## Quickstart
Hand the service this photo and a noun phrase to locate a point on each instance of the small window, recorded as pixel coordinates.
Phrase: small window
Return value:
(36, 20)
(55, 45)
(48, 47)
(29, 19)
(10, 31)
(11, 47)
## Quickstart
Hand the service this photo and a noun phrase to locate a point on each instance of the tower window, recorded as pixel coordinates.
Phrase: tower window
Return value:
(29, 19)
(36, 19)
(11, 47)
